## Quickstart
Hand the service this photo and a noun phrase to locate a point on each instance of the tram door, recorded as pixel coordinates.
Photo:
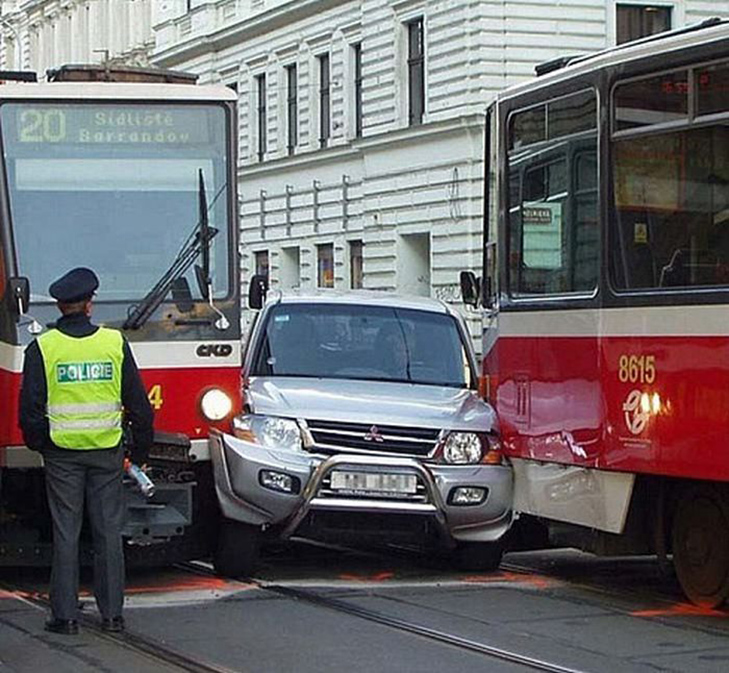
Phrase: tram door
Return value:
(552, 272)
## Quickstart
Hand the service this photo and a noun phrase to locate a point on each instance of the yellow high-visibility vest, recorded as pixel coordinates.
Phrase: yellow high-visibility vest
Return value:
(83, 376)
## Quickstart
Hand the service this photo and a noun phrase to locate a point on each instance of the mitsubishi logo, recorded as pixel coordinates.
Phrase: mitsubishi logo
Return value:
(374, 435)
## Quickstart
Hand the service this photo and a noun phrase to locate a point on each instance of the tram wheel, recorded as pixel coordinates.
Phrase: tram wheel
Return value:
(238, 548)
(701, 545)
(478, 556)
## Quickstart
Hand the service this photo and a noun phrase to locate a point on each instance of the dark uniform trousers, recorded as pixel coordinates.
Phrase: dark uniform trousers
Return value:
(96, 475)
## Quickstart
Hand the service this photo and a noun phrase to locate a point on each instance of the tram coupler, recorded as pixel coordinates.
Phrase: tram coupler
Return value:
(164, 515)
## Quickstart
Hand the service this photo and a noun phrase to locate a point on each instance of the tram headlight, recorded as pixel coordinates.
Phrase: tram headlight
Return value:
(462, 448)
(216, 404)
(269, 431)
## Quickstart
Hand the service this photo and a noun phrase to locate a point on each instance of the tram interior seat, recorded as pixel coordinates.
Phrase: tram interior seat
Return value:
(680, 272)
(542, 281)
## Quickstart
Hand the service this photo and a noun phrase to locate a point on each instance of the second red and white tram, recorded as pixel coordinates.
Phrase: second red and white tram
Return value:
(606, 299)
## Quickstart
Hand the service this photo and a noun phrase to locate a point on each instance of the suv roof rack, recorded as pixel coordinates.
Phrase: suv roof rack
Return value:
(102, 73)
(18, 76)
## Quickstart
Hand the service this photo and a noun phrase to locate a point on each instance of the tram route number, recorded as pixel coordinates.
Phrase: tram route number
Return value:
(637, 368)
(155, 396)
(42, 125)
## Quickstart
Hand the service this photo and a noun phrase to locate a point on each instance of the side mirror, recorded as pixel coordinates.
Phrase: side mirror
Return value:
(257, 290)
(19, 292)
(182, 295)
(470, 288)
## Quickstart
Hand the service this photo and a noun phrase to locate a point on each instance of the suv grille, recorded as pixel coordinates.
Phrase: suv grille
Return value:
(335, 437)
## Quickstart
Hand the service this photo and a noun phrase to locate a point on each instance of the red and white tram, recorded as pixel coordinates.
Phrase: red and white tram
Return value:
(606, 299)
(130, 172)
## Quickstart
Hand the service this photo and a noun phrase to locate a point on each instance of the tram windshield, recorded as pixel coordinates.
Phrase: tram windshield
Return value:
(114, 187)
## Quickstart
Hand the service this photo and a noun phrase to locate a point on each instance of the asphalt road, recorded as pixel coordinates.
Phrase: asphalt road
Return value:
(314, 609)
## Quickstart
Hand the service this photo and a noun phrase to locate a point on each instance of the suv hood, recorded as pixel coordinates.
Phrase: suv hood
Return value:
(375, 402)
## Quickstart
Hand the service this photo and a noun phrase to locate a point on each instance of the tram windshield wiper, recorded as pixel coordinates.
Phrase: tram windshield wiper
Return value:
(197, 243)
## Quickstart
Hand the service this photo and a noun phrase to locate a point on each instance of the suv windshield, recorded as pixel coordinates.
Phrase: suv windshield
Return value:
(113, 187)
(362, 342)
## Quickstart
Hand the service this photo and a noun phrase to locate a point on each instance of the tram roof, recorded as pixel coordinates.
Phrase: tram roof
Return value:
(713, 30)
(142, 91)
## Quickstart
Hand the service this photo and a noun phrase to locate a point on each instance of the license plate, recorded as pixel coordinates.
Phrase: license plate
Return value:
(373, 482)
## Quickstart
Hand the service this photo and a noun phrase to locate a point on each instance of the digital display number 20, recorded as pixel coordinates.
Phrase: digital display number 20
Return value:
(38, 126)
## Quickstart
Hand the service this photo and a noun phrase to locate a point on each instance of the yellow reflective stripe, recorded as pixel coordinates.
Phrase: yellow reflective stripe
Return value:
(91, 408)
(85, 424)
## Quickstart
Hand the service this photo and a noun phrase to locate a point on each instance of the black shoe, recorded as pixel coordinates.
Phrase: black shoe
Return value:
(67, 627)
(113, 624)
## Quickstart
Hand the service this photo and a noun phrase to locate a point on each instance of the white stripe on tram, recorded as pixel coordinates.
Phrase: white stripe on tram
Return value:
(157, 355)
(649, 321)
(11, 358)
(179, 354)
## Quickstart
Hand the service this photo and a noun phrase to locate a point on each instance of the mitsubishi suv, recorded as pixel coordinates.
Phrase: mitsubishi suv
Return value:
(362, 423)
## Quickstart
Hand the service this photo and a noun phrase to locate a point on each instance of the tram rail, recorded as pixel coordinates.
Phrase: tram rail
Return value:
(177, 659)
(401, 625)
(132, 640)
(419, 630)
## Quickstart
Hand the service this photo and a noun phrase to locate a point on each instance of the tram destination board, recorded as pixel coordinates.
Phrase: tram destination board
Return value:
(107, 124)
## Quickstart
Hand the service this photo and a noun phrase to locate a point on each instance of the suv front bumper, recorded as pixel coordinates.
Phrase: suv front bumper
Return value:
(238, 465)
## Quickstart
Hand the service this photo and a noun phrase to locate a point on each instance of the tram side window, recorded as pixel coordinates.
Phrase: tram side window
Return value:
(553, 185)
(671, 188)
(671, 225)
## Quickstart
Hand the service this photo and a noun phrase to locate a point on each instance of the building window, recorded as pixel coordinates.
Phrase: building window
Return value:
(292, 108)
(262, 263)
(325, 265)
(289, 268)
(636, 21)
(324, 96)
(416, 72)
(261, 92)
(356, 276)
(357, 52)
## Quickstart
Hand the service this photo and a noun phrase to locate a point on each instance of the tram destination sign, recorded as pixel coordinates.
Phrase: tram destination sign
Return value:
(96, 124)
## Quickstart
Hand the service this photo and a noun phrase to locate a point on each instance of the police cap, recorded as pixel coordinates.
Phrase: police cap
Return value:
(76, 285)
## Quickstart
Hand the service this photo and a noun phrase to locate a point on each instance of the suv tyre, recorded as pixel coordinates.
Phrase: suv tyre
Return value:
(237, 550)
(478, 556)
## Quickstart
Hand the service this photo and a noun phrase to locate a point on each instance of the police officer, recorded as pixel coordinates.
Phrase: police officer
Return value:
(80, 383)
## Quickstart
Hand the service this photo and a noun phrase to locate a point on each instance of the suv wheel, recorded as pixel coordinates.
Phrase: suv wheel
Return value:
(478, 555)
(237, 550)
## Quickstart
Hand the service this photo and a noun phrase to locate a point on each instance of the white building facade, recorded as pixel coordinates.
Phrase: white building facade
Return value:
(42, 34)
(361, 122)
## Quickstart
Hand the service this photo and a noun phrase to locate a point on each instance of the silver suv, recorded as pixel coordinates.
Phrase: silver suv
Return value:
(361, 422)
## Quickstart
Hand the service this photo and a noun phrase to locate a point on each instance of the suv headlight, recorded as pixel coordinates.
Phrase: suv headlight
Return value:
(462, 448)
(269, 431)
